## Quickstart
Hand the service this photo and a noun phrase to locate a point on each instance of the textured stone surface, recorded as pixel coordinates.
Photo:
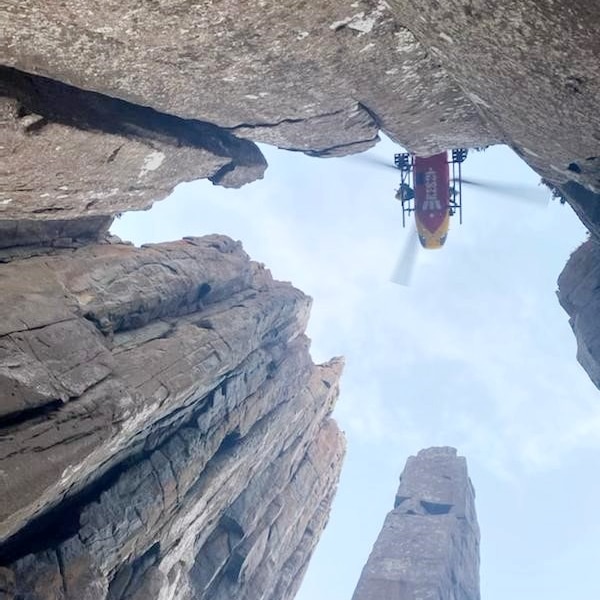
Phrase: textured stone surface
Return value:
(428, 548)
(464, 72)
(164, 432)
(68, 153)
(320, 77)
(25, 237)
(532, 67)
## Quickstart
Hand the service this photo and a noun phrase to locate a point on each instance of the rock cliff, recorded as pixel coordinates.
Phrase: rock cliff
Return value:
(69, 153)
(429, 544)
(164, 432)
(148, 96)
(318, 78)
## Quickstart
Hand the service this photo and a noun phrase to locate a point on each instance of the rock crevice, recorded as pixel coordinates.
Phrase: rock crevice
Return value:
(90, 154)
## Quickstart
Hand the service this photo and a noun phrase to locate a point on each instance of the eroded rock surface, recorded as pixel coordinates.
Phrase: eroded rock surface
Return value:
(318, 79)
(68, 153)
(579, 295)
(164, 432)
(530, 66)
(321, 78)
(429, 544)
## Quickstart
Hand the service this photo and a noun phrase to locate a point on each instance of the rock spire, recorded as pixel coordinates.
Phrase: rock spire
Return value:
(428, 547)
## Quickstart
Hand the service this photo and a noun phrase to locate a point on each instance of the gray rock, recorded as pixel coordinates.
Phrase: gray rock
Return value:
(428, 547)
(163, 431)
(166, 422)
(578, 293)
(7, 584)
(321, 78)
(531, 68)
(68, 153)
(27, 237)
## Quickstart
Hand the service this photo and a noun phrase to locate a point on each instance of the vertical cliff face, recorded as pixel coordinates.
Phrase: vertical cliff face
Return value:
(579, 295)
(163, 431)
(429, 544)
(128, 94)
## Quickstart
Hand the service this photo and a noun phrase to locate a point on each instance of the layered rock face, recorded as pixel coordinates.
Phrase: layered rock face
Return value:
(164, 432)
(318, 78)
(530, 66)
(428, 547)
(105, 109)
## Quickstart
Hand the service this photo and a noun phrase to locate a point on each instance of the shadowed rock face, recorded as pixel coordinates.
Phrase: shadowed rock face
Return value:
(579, 295)
(318, 79)
(429, 544)
(531, 67)
(67, 153)
(163, 431)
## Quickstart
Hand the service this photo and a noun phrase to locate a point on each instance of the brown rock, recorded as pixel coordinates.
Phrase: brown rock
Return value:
(318, 78)
(164, 432)
(322, 80)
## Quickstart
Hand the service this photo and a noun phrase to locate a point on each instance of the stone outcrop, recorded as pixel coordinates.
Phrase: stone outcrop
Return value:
(531, 67)
(67, 153)
(579, 295)
(321, 78)
(429, 544)
(163, 430)
(174, 87)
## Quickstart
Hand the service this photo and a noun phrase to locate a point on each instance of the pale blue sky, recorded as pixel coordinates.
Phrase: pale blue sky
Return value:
(476, 354)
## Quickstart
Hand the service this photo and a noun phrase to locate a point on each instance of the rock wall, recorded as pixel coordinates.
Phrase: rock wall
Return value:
(164, 92)
(68, 153)
(429, 544)
(319, 78)
(531, 67)
(163, 430)
(579, 295)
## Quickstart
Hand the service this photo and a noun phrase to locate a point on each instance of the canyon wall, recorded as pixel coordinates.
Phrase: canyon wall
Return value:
(149, 96)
